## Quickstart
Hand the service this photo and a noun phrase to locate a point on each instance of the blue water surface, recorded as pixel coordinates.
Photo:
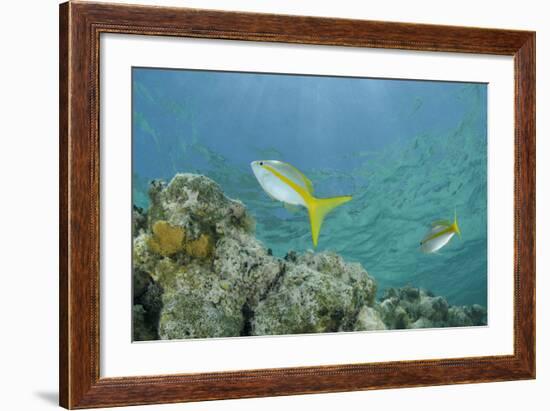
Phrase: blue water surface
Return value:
(410, 152)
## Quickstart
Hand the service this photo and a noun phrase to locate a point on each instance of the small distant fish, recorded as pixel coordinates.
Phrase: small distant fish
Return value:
(284, 182)
(439, 235)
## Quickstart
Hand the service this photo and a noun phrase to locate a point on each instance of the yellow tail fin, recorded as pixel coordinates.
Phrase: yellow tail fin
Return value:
(318, 208)
(456, 228)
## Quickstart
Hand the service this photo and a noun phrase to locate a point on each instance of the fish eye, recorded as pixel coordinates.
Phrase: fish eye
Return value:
(261, 163)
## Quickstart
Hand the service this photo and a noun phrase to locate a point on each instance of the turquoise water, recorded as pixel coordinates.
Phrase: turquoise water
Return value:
(410, 152)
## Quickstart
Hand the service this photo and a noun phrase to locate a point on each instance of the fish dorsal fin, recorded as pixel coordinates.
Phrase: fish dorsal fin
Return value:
(300, 190)
(444, 223)
(307, 181)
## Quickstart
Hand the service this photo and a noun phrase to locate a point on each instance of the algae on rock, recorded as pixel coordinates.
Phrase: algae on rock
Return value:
(166, 240)
(195, 305)
(317, 293)
(410, 307)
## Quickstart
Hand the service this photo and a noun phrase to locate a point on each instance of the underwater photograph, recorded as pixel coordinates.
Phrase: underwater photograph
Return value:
(279, 204)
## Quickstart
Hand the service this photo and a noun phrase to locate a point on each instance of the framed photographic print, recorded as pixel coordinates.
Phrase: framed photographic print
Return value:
(257, 205)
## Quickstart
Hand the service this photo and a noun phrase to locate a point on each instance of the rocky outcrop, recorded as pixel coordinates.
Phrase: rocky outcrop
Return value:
(315, 293)
(218, 280)
(410, 307)
(200, 272)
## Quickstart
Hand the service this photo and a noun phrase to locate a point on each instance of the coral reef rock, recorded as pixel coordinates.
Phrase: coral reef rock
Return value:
(369, 319)
(410, 307)
(315, 293)
(218, 280)
(200, 272)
